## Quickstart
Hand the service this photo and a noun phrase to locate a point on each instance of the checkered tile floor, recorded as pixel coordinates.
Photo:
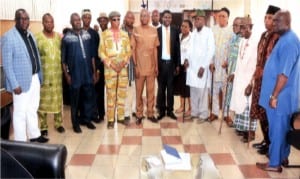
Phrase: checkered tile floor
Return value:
(117, 153)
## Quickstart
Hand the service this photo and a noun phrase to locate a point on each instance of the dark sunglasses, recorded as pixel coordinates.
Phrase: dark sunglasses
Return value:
(117, 19)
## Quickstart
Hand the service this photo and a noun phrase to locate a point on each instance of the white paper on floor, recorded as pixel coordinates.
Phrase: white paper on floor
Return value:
(207, 168)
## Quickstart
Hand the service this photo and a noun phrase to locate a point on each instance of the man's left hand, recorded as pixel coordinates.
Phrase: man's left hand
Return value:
(177, 70)
(200, 72)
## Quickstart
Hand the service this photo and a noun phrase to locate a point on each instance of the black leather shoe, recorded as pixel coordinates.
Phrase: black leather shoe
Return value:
(90, 125)
(161, 115)
(259, 145)
(133, 114)
(60, 129)
(266, 167)
(153, 119)
(40, 139)
(172, 115)
(97, 120)
(44, 132)
(77, 129)
(285, 163)
(263, 151)
(138, 121)
(239, 133)
(110, 125)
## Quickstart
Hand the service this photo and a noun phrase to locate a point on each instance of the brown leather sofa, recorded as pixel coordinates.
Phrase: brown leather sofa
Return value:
(32, 160)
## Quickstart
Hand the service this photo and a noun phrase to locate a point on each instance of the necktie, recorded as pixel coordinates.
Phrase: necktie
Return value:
(168, 41)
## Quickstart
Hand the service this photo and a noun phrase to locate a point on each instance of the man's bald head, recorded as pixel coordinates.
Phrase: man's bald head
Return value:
(144, 17)
(129, 19)
(282, 22)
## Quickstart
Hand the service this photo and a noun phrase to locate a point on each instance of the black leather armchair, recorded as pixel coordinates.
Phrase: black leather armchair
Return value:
(32, 160)
(293, 136)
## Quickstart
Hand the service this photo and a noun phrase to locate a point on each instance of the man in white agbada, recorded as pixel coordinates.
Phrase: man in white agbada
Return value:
(202, 50)
(246, 63)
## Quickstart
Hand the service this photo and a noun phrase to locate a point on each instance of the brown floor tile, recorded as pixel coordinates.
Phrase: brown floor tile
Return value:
(222, 159)
(171, 140)
(186, 119)
(132, 140)
(251, 171)
(168, 125)
(194, 148)
(108, 149)
(151, 132)
(82, 159)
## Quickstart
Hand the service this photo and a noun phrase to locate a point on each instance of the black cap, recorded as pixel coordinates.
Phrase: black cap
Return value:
(272, 9)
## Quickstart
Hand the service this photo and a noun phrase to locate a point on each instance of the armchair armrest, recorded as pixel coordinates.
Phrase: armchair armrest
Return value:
(41, 160)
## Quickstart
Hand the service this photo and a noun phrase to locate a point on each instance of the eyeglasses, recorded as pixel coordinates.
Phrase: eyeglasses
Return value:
(116, 19)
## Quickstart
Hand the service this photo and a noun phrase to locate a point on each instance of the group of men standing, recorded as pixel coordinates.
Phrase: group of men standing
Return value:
(258, 81)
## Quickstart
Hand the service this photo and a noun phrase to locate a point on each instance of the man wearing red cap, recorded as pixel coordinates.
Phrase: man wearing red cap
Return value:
(267, 41)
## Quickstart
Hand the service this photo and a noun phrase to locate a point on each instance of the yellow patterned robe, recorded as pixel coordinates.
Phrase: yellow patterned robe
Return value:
(116, 84)
(51, 90)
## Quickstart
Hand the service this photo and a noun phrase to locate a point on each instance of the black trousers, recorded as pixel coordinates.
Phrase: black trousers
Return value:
(165, 84)
(99, 87)
(83, 95)
(264, 124)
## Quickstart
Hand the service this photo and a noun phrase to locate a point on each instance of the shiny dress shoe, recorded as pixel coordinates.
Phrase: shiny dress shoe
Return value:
(171, 115)
(77, 129)
(247, 138)
(97, 120)
(139, 120)
(40, 139)
(258, 145)
(263, 150)
(110, 125)
(285, 163)
(60, 129)
(44, 132)
(266, 167)
(239, 133)
(133, 114)
(153, 119)
(161, 115)
(90, 125)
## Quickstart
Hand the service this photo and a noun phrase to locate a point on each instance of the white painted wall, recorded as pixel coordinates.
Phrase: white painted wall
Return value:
(62, 9)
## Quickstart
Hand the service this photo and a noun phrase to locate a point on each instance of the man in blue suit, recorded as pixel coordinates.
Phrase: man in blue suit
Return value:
(22, 67)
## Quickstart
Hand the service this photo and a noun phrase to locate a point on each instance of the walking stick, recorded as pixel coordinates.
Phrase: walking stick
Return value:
(248, 116)
(223, 107)
(211, 93)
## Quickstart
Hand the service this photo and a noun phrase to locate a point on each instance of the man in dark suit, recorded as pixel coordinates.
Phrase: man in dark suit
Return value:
(168, 64)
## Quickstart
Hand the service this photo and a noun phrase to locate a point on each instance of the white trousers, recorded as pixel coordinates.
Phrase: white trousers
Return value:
(25, 119)
(199, 102)
(130, 101)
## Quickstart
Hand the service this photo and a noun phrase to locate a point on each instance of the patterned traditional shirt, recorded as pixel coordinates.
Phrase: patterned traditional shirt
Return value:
(222, 38)
(51, 90)
(233, 52)
(112, 51)
(77, 55)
